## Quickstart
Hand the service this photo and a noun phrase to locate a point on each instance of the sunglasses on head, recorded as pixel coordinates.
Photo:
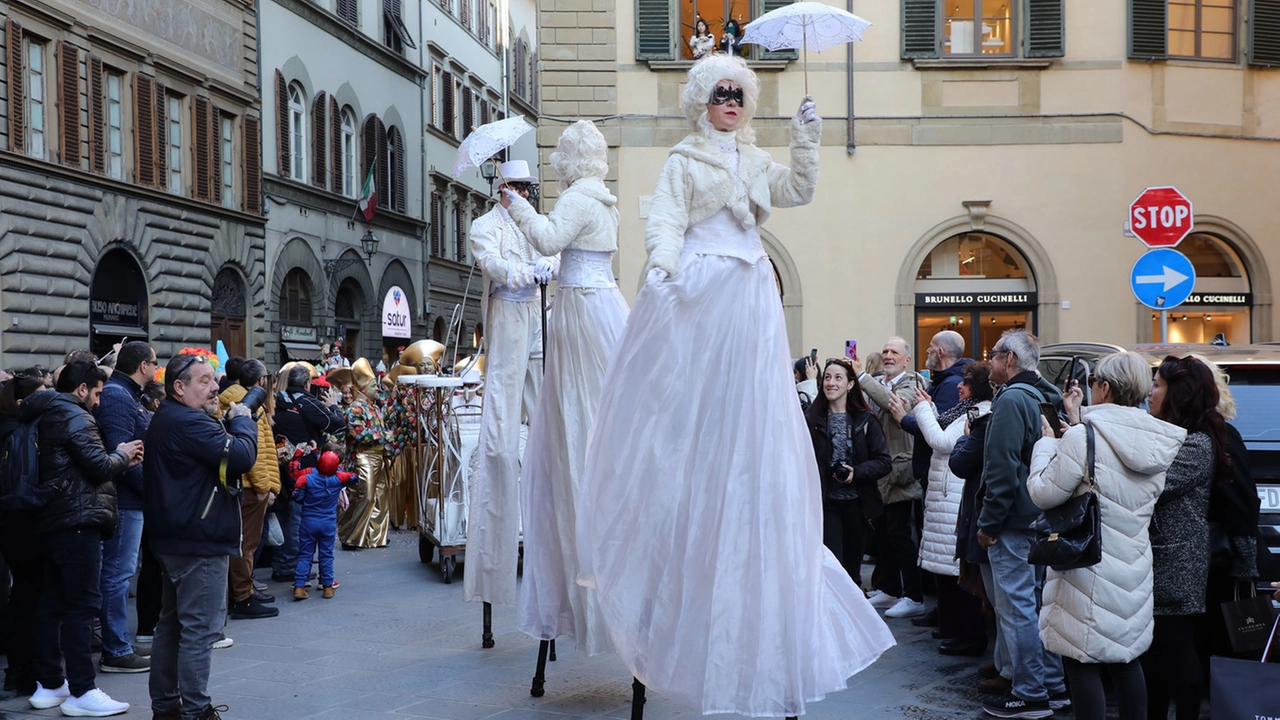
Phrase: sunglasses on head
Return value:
(722, 95)
(181, 366)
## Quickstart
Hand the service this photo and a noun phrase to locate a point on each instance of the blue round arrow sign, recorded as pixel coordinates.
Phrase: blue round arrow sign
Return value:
(1162, 279)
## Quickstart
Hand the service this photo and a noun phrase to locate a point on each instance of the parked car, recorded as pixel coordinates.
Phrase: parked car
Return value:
(1254, 371)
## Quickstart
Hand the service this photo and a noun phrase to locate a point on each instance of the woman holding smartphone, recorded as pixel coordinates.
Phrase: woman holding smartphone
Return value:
(852, 454)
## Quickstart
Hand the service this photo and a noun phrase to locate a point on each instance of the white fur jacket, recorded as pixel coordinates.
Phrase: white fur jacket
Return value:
(585, 218)
(697, 181)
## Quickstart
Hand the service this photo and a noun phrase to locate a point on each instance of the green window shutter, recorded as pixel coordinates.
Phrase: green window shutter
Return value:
(654, 36)
(767, 6)
(1264, 33)
(1044, 36)
(921, 23)
(1148, 29)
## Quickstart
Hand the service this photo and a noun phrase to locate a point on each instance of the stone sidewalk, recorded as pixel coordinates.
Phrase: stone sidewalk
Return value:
(396, 642)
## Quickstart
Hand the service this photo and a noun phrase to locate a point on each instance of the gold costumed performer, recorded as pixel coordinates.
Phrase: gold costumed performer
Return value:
(364, 524)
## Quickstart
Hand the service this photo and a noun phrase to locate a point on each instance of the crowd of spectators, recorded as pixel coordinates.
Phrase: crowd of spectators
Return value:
(135, 472)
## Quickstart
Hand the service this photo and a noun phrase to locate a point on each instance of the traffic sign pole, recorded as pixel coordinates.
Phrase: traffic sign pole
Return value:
(1164, 327)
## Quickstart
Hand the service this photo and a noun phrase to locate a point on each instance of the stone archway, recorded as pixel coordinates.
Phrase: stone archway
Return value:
(1044, 275)
(228, 312)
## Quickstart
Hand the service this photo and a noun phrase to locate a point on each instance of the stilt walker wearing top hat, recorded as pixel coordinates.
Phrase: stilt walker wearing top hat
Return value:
(510, 311)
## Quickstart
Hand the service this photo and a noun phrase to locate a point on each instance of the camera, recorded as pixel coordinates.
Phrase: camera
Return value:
(841, 474)
(254, 399)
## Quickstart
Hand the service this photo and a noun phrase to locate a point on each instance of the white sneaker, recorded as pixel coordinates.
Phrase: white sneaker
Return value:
(45, 698)
(905, 608)
(879, 599)
(223, 642)
(94, 703)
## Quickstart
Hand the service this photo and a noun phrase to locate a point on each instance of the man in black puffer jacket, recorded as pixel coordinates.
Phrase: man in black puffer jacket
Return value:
(72, 526)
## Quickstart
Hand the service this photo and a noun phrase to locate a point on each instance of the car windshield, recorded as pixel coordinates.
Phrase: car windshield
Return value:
(1257, 394)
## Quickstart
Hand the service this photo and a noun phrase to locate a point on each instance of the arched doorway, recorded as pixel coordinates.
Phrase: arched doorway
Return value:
(1221, 304)
(299, 338)
(975, 283)
(439, 328)
(787, 277)
(118, 306)
(346, 316)
(228, 312)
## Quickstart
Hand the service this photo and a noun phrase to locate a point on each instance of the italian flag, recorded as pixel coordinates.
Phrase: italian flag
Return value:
(368, 197)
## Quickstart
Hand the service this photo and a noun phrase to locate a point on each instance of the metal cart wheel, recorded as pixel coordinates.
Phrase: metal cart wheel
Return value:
(447, 565)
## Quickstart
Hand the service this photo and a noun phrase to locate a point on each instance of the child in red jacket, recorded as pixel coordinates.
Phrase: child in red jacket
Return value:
(316, 491)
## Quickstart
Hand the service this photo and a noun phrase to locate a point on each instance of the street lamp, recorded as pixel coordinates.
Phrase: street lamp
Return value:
(489, 171)
(369, 243)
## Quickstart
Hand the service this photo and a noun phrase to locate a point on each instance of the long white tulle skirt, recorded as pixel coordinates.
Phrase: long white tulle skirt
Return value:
(702, 513)
(583, 331)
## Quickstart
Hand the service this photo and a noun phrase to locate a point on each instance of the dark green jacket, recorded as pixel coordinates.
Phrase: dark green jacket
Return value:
(1014, 430)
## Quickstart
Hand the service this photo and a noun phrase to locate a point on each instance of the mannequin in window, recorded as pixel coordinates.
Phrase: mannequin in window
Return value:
(702, 42)
(731, 40)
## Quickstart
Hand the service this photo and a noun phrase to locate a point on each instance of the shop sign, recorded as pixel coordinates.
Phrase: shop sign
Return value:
(117, 312)
(979, 299)
(1234, 299)
(396, 321)
(293, 333)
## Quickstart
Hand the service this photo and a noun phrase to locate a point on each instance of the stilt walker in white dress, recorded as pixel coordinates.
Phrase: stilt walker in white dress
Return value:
(585, 326)
(511, 310)
(701, 516)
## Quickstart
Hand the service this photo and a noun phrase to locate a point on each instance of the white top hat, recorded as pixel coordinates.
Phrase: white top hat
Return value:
(515, 171)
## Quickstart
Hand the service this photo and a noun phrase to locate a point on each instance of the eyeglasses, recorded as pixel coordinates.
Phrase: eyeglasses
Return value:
(177, 367)
(722, 95)
(520, 187)
(1000, 353)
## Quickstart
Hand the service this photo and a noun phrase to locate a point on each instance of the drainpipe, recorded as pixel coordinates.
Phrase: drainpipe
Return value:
(850, 144)
(422, 160)
(505, 55)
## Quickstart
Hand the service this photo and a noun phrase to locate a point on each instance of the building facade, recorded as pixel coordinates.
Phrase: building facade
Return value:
(978, 158)
(380, 90)
(130, 188)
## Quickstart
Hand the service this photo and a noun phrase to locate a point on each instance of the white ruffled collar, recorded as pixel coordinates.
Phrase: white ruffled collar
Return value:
(726, 141)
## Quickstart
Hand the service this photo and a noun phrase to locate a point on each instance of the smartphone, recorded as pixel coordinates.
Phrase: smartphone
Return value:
(1050, 413)
(973, 415)
(1071, 375)
(851, 349)
(813, 356)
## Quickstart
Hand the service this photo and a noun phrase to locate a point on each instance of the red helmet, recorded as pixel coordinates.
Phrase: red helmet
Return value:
(328, 463)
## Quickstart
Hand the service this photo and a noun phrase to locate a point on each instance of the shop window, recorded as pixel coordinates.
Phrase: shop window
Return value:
(1221, 302)
(983, 29)
(974, 255)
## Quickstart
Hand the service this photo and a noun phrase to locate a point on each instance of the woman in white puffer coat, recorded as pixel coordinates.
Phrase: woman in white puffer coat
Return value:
(960, 620)
(1102, 615)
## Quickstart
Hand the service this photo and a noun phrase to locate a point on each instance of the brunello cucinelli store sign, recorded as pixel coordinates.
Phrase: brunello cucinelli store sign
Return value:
(979, 299)
(1218, 299)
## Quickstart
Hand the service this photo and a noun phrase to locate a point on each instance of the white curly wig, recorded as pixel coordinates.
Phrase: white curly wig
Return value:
(580, 153)
(703, 77)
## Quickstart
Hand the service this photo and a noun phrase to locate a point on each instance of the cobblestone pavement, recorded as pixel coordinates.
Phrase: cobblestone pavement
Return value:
(396, 642)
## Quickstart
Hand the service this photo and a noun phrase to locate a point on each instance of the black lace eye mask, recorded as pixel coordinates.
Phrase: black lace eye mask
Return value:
(722, 95)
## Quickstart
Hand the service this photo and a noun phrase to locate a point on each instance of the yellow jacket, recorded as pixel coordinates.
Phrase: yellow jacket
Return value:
(264, 476)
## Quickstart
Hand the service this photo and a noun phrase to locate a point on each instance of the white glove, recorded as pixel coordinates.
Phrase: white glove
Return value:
(544, 270)
(511, 195)
(521, 276)
(808, 111)
(655, 276)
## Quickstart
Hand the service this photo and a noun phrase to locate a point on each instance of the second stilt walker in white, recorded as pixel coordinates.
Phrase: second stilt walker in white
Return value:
(584, 328)
(511, 311)
(701, 516)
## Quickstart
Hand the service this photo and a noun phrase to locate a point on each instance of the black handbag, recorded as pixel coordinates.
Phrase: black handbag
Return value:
(1243, 689)
(1070, 535)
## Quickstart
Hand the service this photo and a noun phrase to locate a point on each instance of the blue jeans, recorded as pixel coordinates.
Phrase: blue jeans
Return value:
(1036, 671)
(119, 561)
(318, 533)
(1000, 657)
(193, 609)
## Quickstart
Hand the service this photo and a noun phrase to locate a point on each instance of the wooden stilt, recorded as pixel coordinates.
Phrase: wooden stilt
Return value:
(637, 699)
(539, 675)
(486, 639)
(551, 652)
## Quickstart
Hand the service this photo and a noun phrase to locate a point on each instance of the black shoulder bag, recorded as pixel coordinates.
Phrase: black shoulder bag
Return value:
(1070, 535)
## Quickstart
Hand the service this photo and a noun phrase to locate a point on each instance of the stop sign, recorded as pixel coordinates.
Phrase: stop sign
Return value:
(1160, 217)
